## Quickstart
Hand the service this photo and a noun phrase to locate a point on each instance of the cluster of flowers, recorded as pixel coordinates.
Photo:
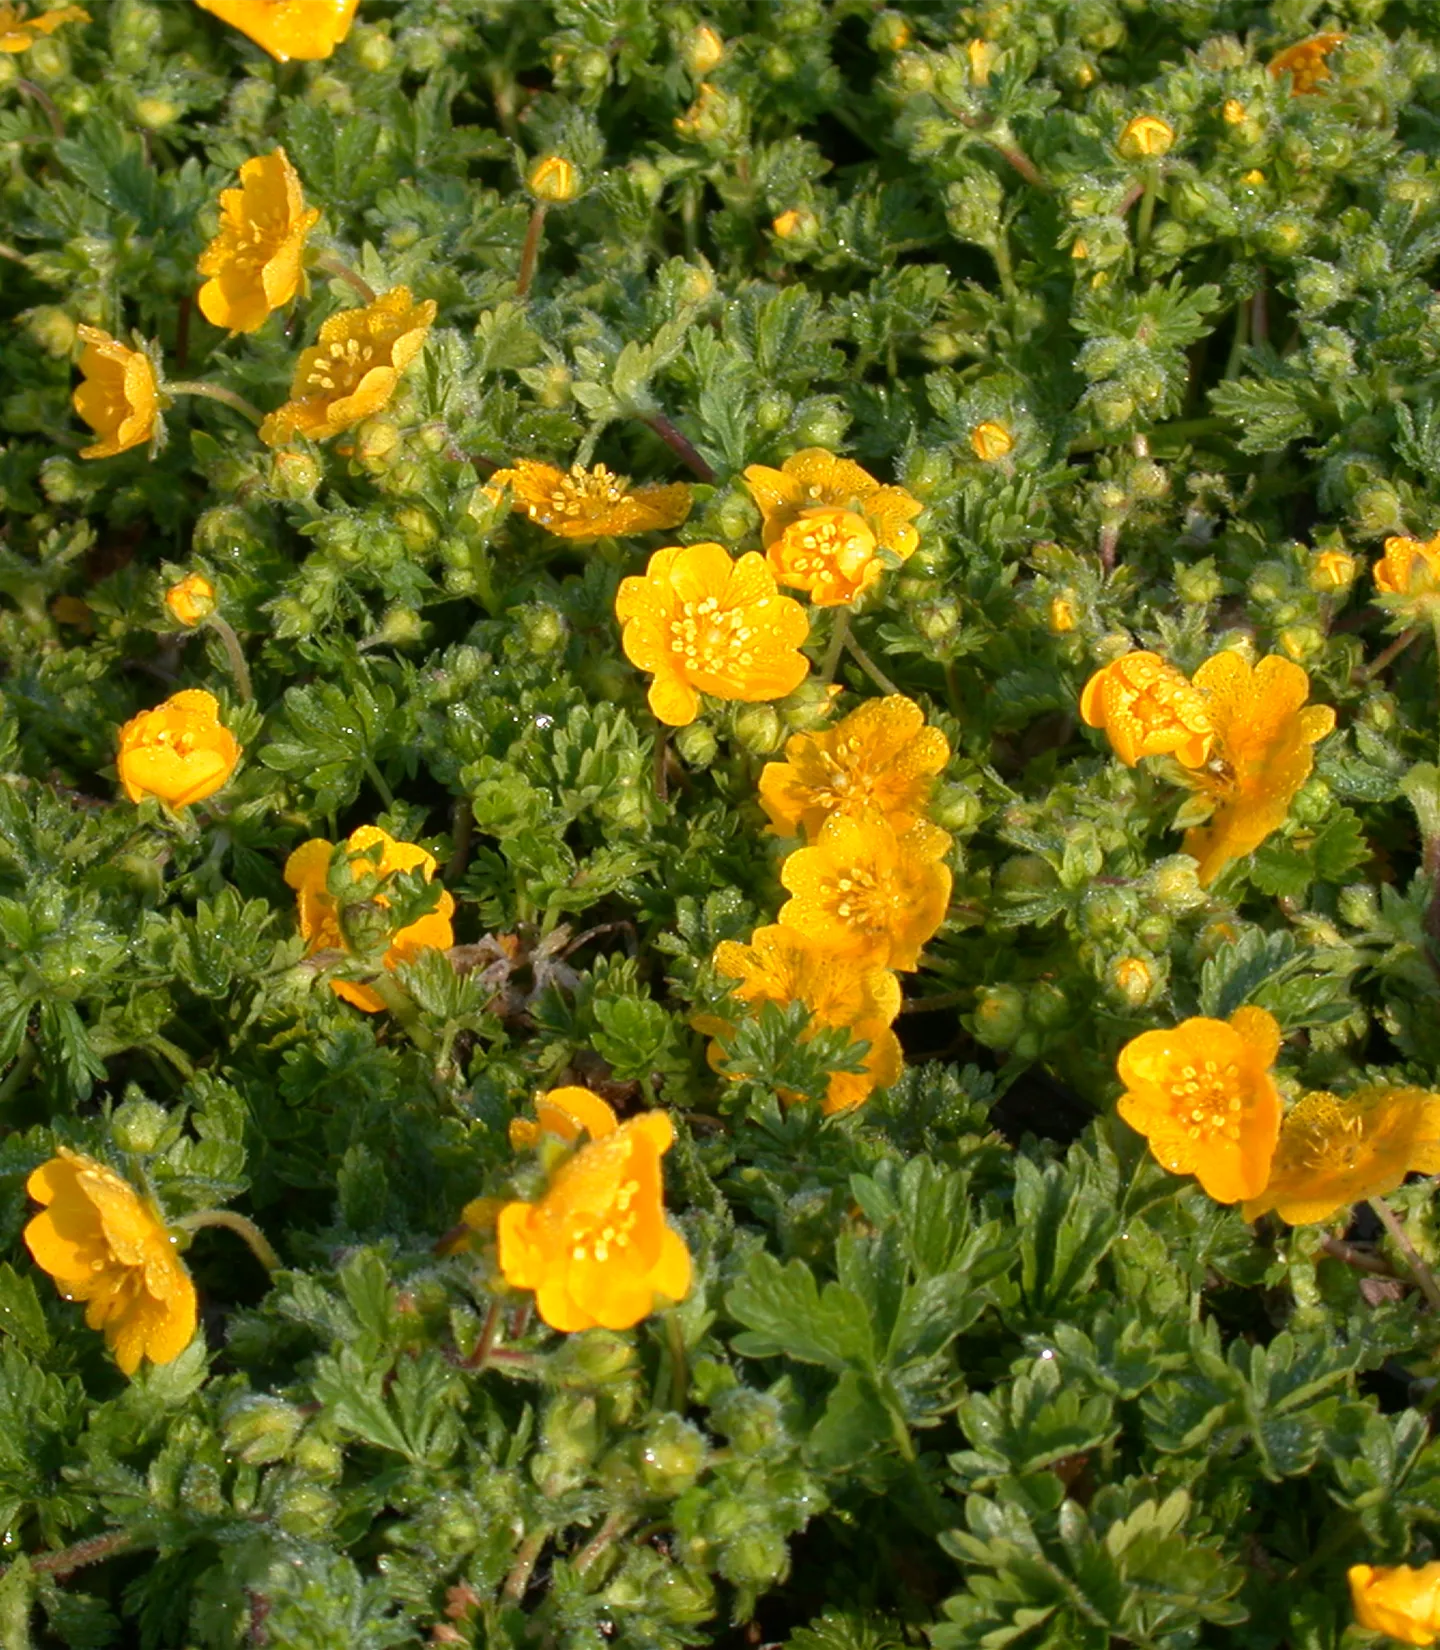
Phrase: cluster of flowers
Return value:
(867, 891)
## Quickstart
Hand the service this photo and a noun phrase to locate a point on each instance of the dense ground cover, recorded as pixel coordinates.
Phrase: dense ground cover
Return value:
(958, 774)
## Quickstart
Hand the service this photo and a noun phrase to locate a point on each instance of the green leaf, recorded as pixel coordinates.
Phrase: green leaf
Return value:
(784, 1312)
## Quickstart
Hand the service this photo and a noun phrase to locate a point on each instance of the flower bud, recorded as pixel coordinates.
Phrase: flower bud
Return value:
(1106, 911)
(750, 1420)
(156, 113)
(1199, 583)
(554, 180)
(593, 1358)
(758, 1559)
(543, 626)
(1379, 711)
(702, 50)
(1061, 617)
(889, 32)
(192, 600)
(1149, 481)
(63, 481)
(1332, 570)
(416, 526)
(956, 808)
(1133, 981)
(710, 117)
(1301, 642)
(936, 620)
(1174, 884)
(373, 49)
(913, 73)
(52, 329)
(672, 1456)
(139, 1125)
(47, 59)
(776, 63)
(1112, 404)
(991, 441)
(400, 626)
(696, 745)
(1146, 137)
(1377, 509)
(758, 729)
(1047, 1006)
(999, 1015)
(294, 475)
(1359, 905)
(1313, 802)
(798, 227)
(259, 1429)
(304, 1510)
(822, 423)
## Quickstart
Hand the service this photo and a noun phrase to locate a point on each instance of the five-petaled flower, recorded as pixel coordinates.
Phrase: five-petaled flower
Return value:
(180, 752)
(867, 892)
(881, 756)
(307, 871)
(354, 368)
(702, 623)
(781, 965)
(1399, 1599)
(1261, 755)
(589, 504)
(596, 1247)
(254, 262)
(1336, 1152)
(306, 29)
(192, 600)
(1305, 62)
(1409, 574)
(1147, 708)
(566, 1113)
(1203, 1096)
(105, 1245)
(18, 33)
(824, 522)
(119, 398)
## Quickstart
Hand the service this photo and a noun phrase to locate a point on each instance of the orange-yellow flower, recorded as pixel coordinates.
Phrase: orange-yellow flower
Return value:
(19, 32)
(1334, 1153)
(1409, 568)
(192, 600)
(180, 751)
(307, 871)
(1261, 755)
(119, 398)
(596, 1248)
(1397, 1599)
(702, 623)
(867, 892)
(1203, 1096)
(825, 519)
(781, 965)
(589, 504)
(881, 756)
(103, 1244)
(354, 368)
(991, 441)
(1147, 708)
(254, 262)
(1305, 62)
(306, 29)
(567, 1113)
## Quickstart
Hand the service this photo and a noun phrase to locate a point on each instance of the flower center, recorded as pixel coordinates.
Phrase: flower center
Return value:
(709, 640)
(341, 366)
(868, 900)
(826, 543)
(611, 1230)
(1206, 1100)
(583, 495)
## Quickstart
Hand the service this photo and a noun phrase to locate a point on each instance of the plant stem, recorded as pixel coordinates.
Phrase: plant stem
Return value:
(43, 98)
(1020, 161)
(402, 1006)
(90, 1551)
(377, 779)
(1146, 219)
(14, 256)
(679, 1365)
(462, 822)
(679, 444)
(837, 646)
(519, 1578)
(1391, 653)
(214, 392)
(871, 669)
(234, 653)
(1424, 1277)
(489, 1334)
(333, 264)
(662, 751)
(25, 1062)
(530, 252)
(615, 1524)
(237, 1223)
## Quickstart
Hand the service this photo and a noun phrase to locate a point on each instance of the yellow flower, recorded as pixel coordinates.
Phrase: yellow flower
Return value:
(307, 871)
(1233, 113)
(1147, 708)
(990, 441)
(1409, 568)
(588, 504)
(1305, 62)
(102, 1244)
(789, 223)
(180, 751)
(702, 623)
(780, 965)
(1254, 178)
(1261, 755)
(1332, 570)
(867, 892)
(881, 756)
(1334, 1153)
(254, 261)
(1146, 137)
(1397, 1599)
(354, 368)
(306, 29)
(824, 520)
(596, 1248)
(192, 601)
(567, 1113)
(119, 398)
(18, 32)
(554, 180)
(1203, 1096)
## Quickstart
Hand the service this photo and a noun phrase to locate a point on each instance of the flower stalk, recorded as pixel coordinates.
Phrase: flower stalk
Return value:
(216, 392)
(1423, 1276)
(243, 1228)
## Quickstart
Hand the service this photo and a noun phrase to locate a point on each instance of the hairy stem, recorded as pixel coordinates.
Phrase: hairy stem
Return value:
(530, 252)
(43, 98)
(234, 654)
(868, 665)
(1390, 654)
(838, 635)
(333, 264)
(1424, 1277)
(525, 1560)
(216, 392)
(679, 444)
(240, 1225)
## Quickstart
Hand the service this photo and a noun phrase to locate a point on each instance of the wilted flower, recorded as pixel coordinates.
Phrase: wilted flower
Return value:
(1147, 708)
(824, 520)
(307, 871)
(306, 29)
(1397, 1599)
(192, 600)
(354, 368)
(254, 262)
(103, 1244)
(702, 623)
(1410, 568)
(1335, 1152)
(1203, 1096)
(1260, 757)
(781, 965)
(567, 1113)
(19, 32)
(588, 504)
(119, 398)
(991, 441)
(596, 1248)
(866, 892)
(554, 180)
(1305, 62)
(180, 751)
(881, 756)
(1146, 137)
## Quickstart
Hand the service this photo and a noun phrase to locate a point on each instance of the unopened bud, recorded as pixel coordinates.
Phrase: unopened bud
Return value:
(553, 180)
(1199, 583)
(672, 1456)
(139, 1125)
(702, 50)
(999, 1015)
(192, 601)
(259, 1429)
(155, 113)
(1061, 616)
(1332, 570)
(798, 227)
(709, 117)
(1174, 884)
(956, 808)
(889, 33)
(293, 475)
(1133, 981)
(373, 49)
(1301, 642)
(696, 745)
(1146, 137)
(52, 329)
(991, 441)
(758, 729)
